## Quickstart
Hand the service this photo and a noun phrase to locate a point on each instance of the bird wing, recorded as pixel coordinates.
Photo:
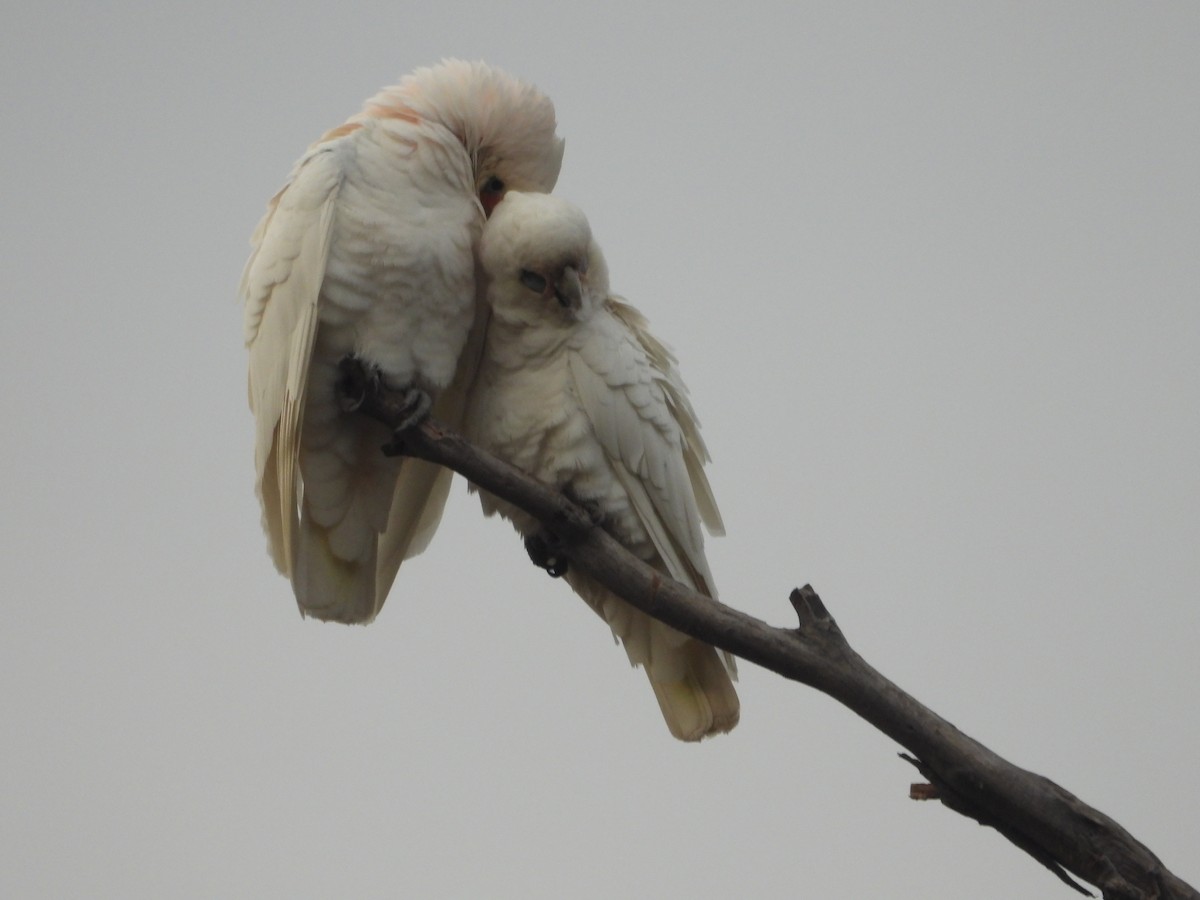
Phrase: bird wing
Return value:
(637, 404)
(632, 394)
(280, 288)
(665, 367)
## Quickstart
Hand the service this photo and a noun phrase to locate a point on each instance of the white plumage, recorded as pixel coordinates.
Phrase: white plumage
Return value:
(369, 249)
(574, 390)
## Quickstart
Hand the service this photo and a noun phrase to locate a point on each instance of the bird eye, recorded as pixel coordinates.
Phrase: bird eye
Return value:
(533, 281)
(490, 194)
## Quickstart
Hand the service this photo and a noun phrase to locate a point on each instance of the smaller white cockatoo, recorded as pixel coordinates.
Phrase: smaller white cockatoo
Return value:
(369, 251)
(572, 389)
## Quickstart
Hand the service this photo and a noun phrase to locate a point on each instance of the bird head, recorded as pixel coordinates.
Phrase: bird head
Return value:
(541, 262)
(506, 125)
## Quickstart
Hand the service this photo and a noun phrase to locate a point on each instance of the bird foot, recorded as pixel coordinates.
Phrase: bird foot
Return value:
(356, 381)
(546, 551)
(591, 507)
(414, 410)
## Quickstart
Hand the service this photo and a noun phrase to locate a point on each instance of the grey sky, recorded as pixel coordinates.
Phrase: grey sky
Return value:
(932, 275)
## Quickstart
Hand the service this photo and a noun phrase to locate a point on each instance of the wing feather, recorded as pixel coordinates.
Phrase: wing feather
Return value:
(280, 288)
(632, 394)
(695, 453)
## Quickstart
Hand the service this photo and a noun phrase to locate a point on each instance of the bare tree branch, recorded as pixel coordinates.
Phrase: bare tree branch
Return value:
(1046, 821)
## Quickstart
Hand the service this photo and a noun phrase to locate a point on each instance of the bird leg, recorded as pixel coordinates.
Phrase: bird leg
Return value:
(356, 381)
(359, 382)
(545, 549)
(414, 409)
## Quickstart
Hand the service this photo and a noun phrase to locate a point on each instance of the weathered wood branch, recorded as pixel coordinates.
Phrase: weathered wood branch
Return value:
(1046, 821)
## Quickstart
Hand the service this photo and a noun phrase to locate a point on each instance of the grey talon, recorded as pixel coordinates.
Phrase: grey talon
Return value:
(545, 550)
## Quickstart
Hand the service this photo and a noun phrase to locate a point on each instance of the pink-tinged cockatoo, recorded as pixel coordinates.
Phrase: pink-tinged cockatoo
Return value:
(574, 390)
(369, 250)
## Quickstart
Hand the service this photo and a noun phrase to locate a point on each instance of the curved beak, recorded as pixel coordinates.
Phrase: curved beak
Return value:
(568, 290)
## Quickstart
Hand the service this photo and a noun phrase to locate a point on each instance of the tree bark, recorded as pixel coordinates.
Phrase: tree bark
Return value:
(1046, 821)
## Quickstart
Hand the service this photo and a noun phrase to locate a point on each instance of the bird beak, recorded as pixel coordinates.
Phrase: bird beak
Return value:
(568, 290)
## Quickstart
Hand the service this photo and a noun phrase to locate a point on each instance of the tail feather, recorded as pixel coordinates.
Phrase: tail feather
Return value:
(346, 566)
(692, 681)
(703, 702)
(417, 505)
(328, 586)
(345, 505)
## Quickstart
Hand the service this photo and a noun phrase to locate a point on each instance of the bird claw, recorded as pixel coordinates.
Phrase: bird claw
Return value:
(546, 552)
(356, 380)
(414, 411)
(592, 508)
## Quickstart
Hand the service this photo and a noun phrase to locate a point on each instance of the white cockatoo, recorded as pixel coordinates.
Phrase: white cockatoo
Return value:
(572, 389)
(370, 250)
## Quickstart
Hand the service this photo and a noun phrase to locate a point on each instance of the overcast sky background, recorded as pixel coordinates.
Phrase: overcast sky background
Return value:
(932, 274)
